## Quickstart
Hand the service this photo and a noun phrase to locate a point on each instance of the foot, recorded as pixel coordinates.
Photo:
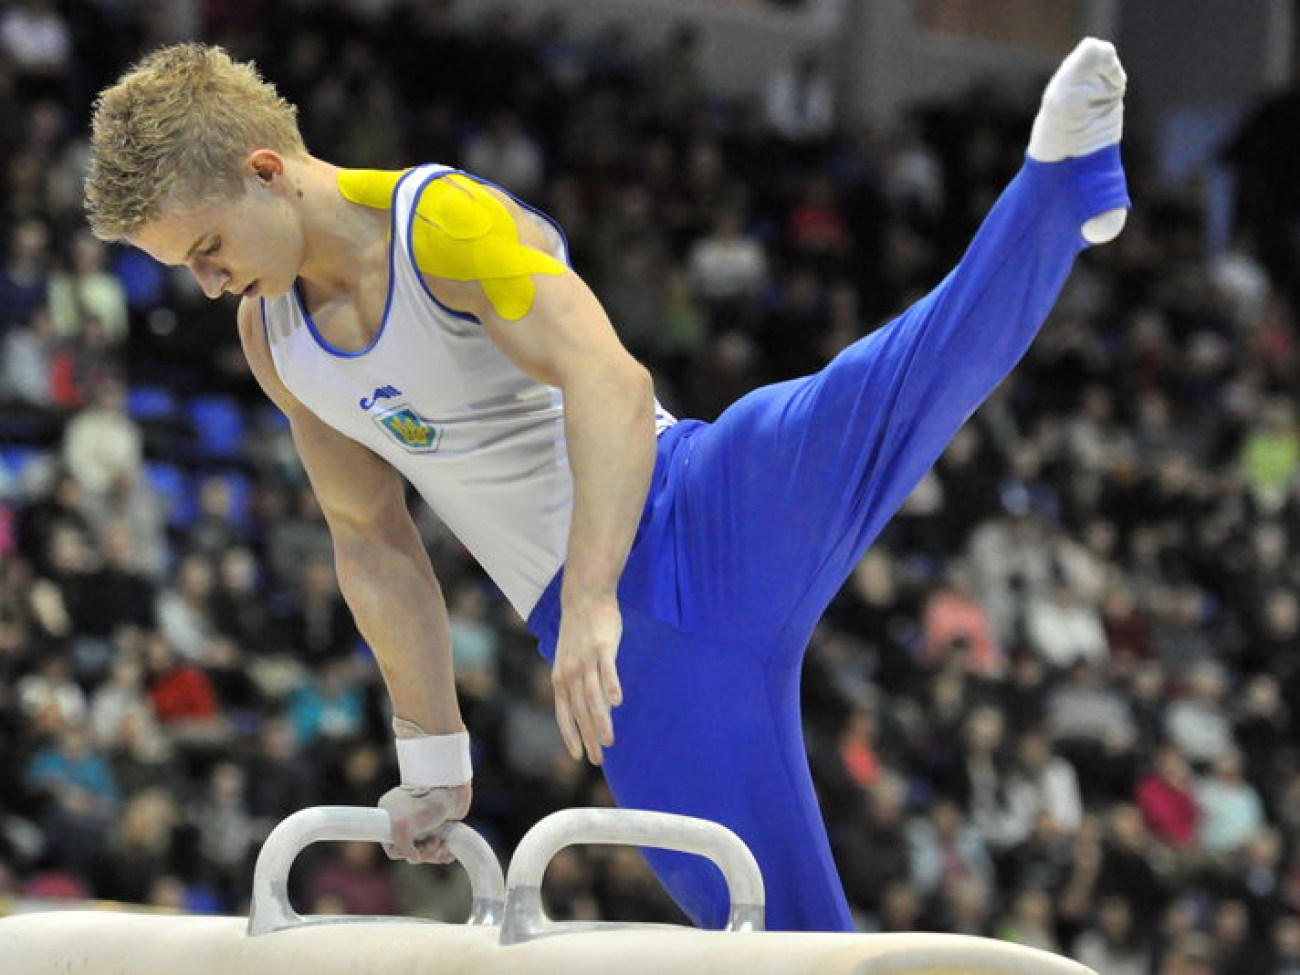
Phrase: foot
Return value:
(1083, 111)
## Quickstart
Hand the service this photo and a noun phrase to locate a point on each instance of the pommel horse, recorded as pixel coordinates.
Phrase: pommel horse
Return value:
(507, 932)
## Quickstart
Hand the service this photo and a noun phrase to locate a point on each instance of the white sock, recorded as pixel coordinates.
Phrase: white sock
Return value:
(1083, 105)
(1083, 111)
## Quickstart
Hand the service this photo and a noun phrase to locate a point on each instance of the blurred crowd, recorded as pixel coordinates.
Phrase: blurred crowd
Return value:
(1053, 704)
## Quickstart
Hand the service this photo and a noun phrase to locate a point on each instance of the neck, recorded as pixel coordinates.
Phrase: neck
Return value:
(338, 235)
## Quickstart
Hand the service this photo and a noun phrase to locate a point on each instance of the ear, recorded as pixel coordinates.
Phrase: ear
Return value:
(265, 165)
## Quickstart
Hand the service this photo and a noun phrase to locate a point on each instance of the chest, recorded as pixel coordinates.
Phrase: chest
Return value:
(350, 321)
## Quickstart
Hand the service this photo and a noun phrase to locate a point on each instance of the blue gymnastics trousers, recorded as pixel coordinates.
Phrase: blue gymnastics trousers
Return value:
(754, 522)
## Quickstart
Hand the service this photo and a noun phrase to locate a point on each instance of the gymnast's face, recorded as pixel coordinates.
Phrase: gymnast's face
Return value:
(250, 246)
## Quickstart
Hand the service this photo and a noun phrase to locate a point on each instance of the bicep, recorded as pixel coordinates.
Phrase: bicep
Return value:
(538, 311)
(355, 487)
(567, 335)
(357, 490)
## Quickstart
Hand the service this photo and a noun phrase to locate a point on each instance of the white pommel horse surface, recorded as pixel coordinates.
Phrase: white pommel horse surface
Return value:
(507, 933)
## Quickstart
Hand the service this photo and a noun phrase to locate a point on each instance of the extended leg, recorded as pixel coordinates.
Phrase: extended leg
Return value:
(778, 499)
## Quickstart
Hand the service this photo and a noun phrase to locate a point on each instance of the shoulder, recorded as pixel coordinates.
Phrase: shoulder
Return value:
(470, 208)
(478, 247)
(252, 332)
(257, 351)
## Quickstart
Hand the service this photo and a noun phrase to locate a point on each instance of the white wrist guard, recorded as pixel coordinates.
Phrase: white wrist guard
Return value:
(431, 761)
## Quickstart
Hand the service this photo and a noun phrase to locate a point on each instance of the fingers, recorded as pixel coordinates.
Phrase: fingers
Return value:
(585, 679)
(599, 728)
(434, 849)
(583, 713)
(582, 708)
(402, 846)
(565, 719)
(610, 682)
(425, 849)
(419, 819)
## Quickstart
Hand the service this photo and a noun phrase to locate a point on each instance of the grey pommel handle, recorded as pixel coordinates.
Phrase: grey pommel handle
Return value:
(270, 908)
(525, 917)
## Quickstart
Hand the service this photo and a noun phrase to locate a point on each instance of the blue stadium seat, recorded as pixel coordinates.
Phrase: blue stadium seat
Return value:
(143, 279)
(219, 425)
(150, 403)
(173, 485)
(14, 462)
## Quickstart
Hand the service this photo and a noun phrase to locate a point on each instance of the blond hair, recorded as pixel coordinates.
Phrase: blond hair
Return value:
(174, 132)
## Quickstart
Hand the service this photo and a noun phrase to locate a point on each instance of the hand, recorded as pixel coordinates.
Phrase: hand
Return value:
(585, 677)
(418, 813)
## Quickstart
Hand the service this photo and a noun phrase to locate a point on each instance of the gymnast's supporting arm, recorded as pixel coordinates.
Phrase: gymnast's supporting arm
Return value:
(388, 582)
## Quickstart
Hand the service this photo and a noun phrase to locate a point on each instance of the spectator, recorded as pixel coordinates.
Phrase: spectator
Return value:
(1193, 954)
(225, 829)
(1271, 454)
(36, 38)
(728, 272)
(1042, 782)
(215, 528)
(872, 847)
(945, 847)
(281, 779)
(298, 539)
(1164, 794)
(329, 705)
(28, 366)
(49, 697)
(354, 881)
(981, 779)
(954, 616)
(87, 288)
(1063, 629)
(140, 846)
(120, 710)
(531, 742)
(185, 609)
(1198, 723)
(1238, 950)
(1286, 946)
(24, 278)
(116, 593)
(504, 153)
(799, 101)
(132, 507)
(102, 444)
(859, 751)
(1084, 709)
(318, 627)
(78, 797)
(1114, 944)
(181, 693)
(474, 642)
(1229, 809)
(239, 610)
(676, 92)
(1030, 922)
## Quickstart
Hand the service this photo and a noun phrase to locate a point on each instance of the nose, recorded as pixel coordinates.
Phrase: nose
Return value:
(211, 280)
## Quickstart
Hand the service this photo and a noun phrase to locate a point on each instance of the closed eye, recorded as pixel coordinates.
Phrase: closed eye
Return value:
(212, 248)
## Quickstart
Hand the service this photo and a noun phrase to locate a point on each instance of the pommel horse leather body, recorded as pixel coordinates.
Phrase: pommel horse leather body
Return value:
(508, 932)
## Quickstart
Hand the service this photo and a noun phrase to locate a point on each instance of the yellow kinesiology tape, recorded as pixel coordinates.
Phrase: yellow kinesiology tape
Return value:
(463, 233)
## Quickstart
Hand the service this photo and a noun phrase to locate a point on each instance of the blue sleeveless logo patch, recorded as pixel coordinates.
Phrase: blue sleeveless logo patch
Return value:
(412, 431)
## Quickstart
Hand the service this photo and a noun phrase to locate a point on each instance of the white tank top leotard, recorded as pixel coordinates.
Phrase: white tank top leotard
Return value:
(481, 441)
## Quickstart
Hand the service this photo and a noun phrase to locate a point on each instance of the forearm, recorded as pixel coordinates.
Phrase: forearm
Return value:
(398, 606)
(610, 430)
